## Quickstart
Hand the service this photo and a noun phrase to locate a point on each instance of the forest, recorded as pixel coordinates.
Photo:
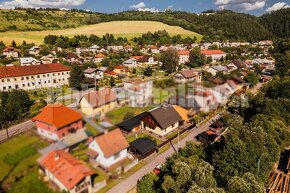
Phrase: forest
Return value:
(221, 25)
(243, 160)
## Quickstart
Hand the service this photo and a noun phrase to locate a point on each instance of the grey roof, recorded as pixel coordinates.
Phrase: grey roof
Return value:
(28, 60)
(75, 138)
(55, 146)
(90, 70)
(165, 116)
(220, 68)
(106, 124)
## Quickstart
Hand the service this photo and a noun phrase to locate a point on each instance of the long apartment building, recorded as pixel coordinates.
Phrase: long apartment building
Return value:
(33, 77)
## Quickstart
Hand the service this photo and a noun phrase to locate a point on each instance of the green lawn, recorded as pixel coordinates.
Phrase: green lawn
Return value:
(13, 146)
(91, 129)
(117, 115)
(141, 135)
(160, 95)
(66, 101)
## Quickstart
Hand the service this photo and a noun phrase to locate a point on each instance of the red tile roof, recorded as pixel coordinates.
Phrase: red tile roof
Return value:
(211, 52)
(16, 71)
(183, 52)
(68, 170)
(112, 142)
(9, 49)
(153, 47)
(57, 115)
(100, 55)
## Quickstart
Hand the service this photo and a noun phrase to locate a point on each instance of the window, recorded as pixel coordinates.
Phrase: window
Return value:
(38, 76)
(28, 84)
(8, 80)
(43, 75)
(22, 78)
(117, 155)
(9, 87)
(2, 80)
(23, 85)
(27, 77)
(48, 75)
(4, 88)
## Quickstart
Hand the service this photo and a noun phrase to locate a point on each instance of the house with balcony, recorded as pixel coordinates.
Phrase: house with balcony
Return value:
(94, 73)
(183, 56)
(56, 121)
(34, 50)
(10, 52)
(66, 173)
(138, 92)
(162, 120)
(29, 61)
(188, 76)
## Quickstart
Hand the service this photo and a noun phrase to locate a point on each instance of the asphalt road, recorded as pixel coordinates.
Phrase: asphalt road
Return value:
(129, 183)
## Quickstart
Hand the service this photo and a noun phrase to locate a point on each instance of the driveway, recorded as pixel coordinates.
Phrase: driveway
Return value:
(129, 183)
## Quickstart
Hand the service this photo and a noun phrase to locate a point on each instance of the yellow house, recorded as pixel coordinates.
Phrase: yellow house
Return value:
(98, 102)
(182, 112)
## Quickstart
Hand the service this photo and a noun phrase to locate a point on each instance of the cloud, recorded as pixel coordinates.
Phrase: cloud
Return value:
(241, 5)
(40, 3)
(277, 6)
(142, 7)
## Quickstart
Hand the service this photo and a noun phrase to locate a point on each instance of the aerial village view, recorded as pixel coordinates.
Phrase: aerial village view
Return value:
(144, 97)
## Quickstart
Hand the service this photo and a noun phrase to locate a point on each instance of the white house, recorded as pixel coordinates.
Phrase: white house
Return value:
(94, 73)
(161, 120)
(215, 69)
(49, 59)
(183, 56)
(188, 76)
(132, 62)
(214, 54)
(29, 61)
(139, 92)
(94, 48)
(109, 148)
(67, 173)
(33, 77)
(99, 57)
(10, 52)
(34, 50)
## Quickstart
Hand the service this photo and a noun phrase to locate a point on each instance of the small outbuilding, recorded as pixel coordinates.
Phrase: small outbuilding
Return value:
(143, 146)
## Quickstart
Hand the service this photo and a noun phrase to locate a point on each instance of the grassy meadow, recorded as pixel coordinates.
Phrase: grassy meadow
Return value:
(128, 29)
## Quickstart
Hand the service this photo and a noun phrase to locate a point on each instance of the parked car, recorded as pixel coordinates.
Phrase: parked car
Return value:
(157, 169)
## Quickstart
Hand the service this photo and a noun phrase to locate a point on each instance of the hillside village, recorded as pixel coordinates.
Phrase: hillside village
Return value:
(88, 137)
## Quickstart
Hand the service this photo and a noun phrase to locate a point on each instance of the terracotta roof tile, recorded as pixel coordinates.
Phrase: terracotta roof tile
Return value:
(58, 115)
(112, 142)
(68, 170)
(183, 52)
(211, 52)
(16, 71)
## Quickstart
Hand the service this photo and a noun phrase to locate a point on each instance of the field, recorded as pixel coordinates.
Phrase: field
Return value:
(9, 172)
(128, 29)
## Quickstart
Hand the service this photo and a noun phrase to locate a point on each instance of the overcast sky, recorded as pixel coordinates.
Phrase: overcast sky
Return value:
(110, 6)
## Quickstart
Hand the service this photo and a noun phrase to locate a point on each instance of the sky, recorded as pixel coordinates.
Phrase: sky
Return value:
(254, 7)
